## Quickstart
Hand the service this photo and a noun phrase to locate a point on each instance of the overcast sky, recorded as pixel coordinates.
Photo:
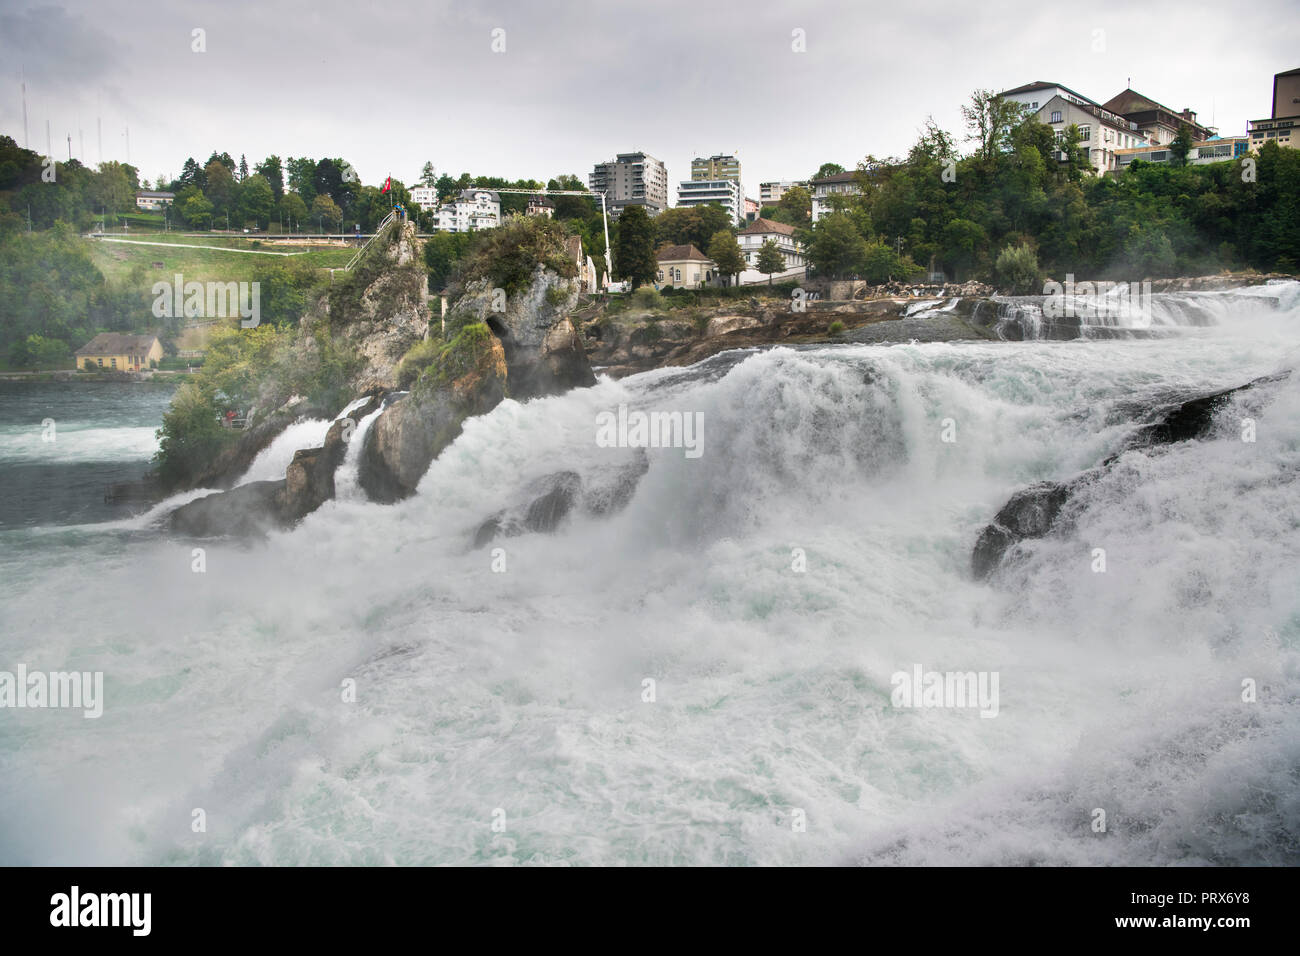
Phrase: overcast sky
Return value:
(388, 86)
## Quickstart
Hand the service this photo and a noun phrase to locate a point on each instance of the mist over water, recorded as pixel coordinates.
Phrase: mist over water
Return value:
(522, 690)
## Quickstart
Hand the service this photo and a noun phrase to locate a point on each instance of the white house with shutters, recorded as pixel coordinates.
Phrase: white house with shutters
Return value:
(473, 209)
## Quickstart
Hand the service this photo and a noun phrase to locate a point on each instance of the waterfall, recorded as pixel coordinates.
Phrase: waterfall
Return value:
(701, 646)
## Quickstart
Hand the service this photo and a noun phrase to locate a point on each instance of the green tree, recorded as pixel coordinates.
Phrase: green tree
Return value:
(828, 169)
(292, 210)
(770, 259)
(796, 205)
(325, 212)
(990, 120)
(302, 175)
(1017, 270)
(40, 352)
(690, 224)
(256, 200)
(221, 187)
(271, 170)
(726, 255)
(112, 189)
(634, 247)
(837, 249)
(441, 253)
(190, 437)
(1181, 145)
(197, 211)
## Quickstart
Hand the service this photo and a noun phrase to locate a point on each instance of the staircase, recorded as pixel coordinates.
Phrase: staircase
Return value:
(379, 231)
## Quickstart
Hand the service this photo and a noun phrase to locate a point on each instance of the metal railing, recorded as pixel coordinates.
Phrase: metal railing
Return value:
(379, 230)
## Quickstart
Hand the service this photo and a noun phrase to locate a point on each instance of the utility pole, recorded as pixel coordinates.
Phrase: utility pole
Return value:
(27, 143)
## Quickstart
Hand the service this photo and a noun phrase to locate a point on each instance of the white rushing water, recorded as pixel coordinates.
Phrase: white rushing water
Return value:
(76, 443)
(273, 460)
(515, 692)
(347, 480)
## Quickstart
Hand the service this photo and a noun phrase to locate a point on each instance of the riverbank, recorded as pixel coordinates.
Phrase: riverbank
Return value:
(169, 378)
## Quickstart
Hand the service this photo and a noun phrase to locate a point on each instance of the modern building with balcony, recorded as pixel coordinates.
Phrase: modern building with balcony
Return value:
(722, 192)
(631, 179)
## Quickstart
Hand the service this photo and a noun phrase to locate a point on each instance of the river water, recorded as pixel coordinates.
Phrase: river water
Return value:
(706, 675)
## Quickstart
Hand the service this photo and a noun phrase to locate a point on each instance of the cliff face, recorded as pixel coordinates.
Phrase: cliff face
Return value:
(543, 352)
(525, 346)
(381, 308)
(468, 379)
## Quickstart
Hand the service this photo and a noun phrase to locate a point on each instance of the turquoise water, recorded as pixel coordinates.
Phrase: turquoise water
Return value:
(62, 443)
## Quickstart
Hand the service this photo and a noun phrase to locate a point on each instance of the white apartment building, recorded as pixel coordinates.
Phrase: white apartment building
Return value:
(426, 197)
(826, 189)
(1101, 131)
(472, 209)
(1035, 95)
(726, 193)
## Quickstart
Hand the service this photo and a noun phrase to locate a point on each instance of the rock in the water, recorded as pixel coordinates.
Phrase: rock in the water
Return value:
(1030, 513)
(411, 432)
(251, 509)
(551, 499)
(1034, 511)
(309, 480)
(1193, 418)
(548, 510)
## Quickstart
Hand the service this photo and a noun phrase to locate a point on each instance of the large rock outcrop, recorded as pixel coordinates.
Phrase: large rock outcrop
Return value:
(261, 506)
(380, 309)
(468, 378)
(523, 345)
(543, 351)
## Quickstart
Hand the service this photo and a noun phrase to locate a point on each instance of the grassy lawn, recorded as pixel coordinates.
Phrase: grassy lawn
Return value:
(118, 259)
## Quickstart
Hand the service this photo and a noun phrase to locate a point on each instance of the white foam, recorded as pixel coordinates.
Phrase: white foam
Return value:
(522, 689)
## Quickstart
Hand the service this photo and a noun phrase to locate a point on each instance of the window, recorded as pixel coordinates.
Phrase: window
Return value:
(1085, 133)
(101, 363)
(1056, 116)
(114, 360)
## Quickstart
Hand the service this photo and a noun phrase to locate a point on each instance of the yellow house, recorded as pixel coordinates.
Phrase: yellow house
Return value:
(684, 267)
(120, 352)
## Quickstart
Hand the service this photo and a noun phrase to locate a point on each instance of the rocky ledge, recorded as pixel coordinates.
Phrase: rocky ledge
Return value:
(1042, 509)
